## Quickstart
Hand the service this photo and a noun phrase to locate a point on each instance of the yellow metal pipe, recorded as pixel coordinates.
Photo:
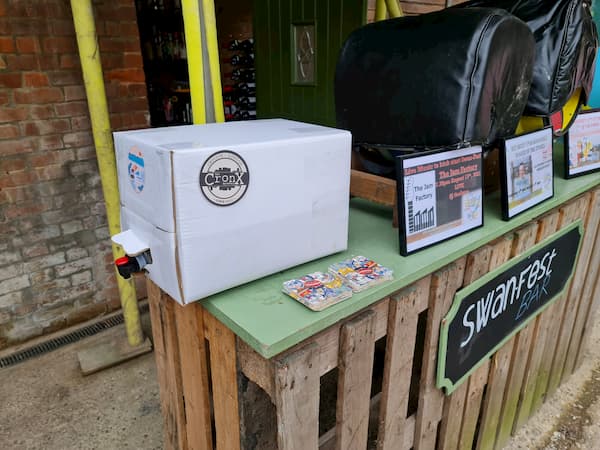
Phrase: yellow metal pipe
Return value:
(89, 54)
(380, 10)
(193, 42)
(210, 27)
(394, 8)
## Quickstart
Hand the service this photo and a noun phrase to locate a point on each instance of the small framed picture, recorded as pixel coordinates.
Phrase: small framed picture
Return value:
(440, 195)
(527, 171)
(582, 144)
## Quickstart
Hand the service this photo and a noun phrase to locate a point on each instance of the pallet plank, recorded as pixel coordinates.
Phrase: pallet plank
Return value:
(477, 265)
(523, 239)
(166, 348)
(224, 383)
(567, 215)
(194, 375)
(357, 347)
(297, 399)
(497, 368)
(571, 303)
(547, 226)
(444, 284)
(587, 279)
(400, 348)
(500, 251)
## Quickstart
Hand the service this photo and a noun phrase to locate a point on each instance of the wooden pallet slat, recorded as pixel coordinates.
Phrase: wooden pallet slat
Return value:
(399, 353)
(357, 346)
(547, 225)
(523, 239)
(194, 374)
(500, 251)
(444, 284)
(477, 265)
(168, 362)
(498, 366)
(224, 383)
(587, 281)
(570, 303)
(297, 399)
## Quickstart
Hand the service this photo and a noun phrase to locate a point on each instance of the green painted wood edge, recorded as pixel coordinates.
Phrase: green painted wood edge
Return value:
(438, 256)
(446, 383)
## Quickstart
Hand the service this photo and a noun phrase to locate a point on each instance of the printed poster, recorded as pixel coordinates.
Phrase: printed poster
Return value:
(440, 195)
(582, 144)
(528, 175)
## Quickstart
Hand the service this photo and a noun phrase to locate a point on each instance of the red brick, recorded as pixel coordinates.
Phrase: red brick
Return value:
(137, 89)
(35, 79)
(21, 62)
(41, 127)
(78, 139)
(65, 77)
(16, 146)
(28, 26)
(74, 93)
(4, 98)
(128, 29)
(127, 105)
(3, 64)
(28, 44)
(134, 120)
(15, 211)
(7, 45)
(71, 109)
(2, 8)
(10, 80)
(50, 157)
(63, 28)
(69, 61)
(133, 60)
(11, 165)
(48, 62)
(80, 123)
(8, 131)
(41, 112)
(50, 142)
(21, 178)
(60, 45)
(130, 75)
(13, 114)
(38, 96)
(51, 172)
(111, 61)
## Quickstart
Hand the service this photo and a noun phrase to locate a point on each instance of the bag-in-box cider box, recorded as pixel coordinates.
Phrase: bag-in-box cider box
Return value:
(219, 205)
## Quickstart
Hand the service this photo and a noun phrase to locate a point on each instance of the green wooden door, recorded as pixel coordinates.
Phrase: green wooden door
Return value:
(297, 44)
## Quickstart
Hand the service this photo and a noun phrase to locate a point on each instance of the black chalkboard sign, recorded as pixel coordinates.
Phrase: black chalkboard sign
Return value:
(488, 312)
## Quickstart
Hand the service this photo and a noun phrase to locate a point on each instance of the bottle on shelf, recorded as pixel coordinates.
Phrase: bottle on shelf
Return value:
(247, 102)
(247, 75)
(241, 60)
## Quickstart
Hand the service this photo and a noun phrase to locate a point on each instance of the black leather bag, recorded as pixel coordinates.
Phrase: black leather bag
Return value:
(443, 79)
(566, 42)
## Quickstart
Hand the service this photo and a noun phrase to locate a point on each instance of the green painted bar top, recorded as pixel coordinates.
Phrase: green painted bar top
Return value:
(271, 322)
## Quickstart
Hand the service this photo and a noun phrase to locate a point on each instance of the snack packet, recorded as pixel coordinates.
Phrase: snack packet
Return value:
(317, 290)
(361, 273)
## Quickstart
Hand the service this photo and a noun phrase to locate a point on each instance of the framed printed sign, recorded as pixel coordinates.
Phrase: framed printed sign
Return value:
(582, 144)
(527, 171)
(440, 195)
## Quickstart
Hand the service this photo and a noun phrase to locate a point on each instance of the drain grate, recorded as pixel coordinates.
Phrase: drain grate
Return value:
(53, 344)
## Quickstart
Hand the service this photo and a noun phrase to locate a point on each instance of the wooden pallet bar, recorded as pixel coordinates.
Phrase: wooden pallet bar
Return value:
(387, 336)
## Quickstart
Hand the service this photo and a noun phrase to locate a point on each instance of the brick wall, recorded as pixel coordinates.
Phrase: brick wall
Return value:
(55, 261)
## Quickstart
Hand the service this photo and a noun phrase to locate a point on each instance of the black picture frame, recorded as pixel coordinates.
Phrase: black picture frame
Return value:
(442, 196)
(518, 182)
(575, 131)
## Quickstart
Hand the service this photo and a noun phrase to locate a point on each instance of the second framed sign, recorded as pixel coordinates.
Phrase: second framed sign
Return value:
(440, 195)
(527, 172)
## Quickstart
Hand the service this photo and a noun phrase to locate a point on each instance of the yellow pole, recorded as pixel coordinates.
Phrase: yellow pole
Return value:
(193, 43)
(89, 54)
(210, 26)
(380, 10)
(394, 8)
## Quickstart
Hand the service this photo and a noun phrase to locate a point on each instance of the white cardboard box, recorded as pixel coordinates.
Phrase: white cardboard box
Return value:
(219, 205)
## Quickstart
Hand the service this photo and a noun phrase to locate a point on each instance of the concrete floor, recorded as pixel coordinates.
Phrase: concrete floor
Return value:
(46, 403)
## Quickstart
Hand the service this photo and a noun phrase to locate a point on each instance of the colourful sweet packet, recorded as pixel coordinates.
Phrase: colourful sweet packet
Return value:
(317, 290)
(361, 273)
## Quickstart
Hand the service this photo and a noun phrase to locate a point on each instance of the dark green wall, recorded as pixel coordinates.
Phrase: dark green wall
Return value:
(277, 96)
